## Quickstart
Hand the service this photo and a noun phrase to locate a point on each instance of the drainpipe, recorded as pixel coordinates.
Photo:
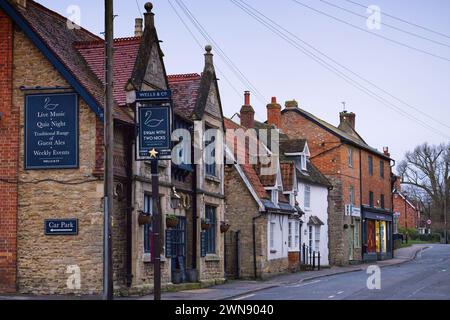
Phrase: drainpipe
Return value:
(129, 219)
(362, 236)
(255, 267)
(194, 211)
(392, 210)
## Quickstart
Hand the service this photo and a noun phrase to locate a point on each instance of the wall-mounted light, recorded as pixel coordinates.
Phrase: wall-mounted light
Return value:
(175, 199)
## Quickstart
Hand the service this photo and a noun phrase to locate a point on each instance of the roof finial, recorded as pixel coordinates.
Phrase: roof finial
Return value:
(208, 48)
(148, 7)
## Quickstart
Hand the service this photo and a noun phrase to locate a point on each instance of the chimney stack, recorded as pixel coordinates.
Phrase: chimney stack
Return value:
(149, 16)
(138, 27)
(398, 184)
(291, 104)
(274, 113)
(247, 113)
(347, 119)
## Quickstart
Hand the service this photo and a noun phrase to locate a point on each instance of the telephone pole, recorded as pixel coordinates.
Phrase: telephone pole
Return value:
(108, 207)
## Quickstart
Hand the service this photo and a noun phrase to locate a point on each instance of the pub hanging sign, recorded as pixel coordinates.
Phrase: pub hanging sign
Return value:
(153, 123)
(51, 131)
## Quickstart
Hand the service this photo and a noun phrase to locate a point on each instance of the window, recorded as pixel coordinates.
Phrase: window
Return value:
(210, 215)
(184, 156)
(303, 162)
(382, 201)
(307, 197)
(317, 239)
(290, 235)
(210, 164)
(371, 165)
(356, 233)
(350, 157)
(381, 168)
(310, 237)
(371, 199)
(274, 196)
(352, 195)
(272, 235)
(148, 228)
(297, 234)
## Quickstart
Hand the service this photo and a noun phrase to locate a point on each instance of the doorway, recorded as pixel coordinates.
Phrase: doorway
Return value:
(178, 246)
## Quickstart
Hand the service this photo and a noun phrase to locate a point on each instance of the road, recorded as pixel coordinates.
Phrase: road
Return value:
(426, 277)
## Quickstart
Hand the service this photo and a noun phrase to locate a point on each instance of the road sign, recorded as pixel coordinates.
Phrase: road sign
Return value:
(153, 95)
(154, 132)
(429, 222)
(61, 227)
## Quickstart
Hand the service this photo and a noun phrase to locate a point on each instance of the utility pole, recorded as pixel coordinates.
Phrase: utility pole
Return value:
(108, 293)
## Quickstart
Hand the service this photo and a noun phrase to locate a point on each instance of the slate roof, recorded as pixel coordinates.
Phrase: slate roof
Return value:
(353, 139)
(314, 220)
(313, 176)
(292, 145)
(51, 28)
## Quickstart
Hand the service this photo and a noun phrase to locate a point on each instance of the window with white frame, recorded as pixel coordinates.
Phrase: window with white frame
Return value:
(307, 197)
(272, 235)
(303, 162)
(317, 239)
(352, 195)
(350, 157)
(275, 196)
(310, 236)
(297, 234)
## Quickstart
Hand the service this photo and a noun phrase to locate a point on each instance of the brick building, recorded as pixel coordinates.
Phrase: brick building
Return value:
(260, 206)
(407, 214)
(51, 160)
(360, 217)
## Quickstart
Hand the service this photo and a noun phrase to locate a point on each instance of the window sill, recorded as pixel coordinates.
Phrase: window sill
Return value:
(212, 178)
(147, 258)
(212, 257)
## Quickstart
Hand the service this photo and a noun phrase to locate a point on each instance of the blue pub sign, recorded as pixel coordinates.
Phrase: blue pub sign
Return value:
(51, 131)
(153, 120)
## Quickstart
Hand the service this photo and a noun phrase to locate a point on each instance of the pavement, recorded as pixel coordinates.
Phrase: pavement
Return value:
(242, 289)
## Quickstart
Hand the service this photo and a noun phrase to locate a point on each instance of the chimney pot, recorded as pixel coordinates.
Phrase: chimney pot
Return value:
(274, 113)
(386, 151)
(291, 104)
(247, 98)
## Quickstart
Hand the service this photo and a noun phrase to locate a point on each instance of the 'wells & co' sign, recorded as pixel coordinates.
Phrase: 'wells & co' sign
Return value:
(51, 131)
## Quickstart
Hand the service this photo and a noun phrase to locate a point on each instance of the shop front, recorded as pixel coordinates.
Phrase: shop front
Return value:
(377, 234)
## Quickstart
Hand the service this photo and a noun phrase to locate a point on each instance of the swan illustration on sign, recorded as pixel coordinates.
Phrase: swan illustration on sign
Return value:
(50, 106)
(152, 123)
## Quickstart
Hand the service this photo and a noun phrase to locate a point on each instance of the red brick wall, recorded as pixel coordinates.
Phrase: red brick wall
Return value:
(376, 183)
(9, 154)
(408, 215)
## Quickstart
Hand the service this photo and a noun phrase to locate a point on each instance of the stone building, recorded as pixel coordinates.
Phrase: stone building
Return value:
(360, 214)
(51, 160)
(260, 206)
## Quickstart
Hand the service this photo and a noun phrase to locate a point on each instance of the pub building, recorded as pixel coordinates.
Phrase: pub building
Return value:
(52, 161)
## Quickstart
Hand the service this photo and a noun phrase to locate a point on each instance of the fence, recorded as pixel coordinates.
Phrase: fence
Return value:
(310, 259)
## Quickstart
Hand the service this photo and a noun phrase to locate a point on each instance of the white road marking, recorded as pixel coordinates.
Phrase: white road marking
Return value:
(303, 284)
(245, 297)
(340, 292)
(330, 297)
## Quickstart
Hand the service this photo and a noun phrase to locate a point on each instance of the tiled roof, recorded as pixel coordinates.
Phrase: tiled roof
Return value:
(125, 53)
(52, 29)
(248, 169)
(292, 145)
(288, 174)
(354, 139)
(185, 92)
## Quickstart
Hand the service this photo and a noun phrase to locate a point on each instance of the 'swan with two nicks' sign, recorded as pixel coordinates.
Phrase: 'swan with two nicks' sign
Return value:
(51, 131)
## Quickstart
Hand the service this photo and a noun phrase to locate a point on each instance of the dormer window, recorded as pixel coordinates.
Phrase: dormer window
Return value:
(274, 196)
(303, 160)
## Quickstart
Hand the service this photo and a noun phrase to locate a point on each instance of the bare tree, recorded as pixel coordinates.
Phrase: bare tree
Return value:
(426, 171)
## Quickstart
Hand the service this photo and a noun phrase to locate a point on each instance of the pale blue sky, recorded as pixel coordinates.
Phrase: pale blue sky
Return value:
(277, 69)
